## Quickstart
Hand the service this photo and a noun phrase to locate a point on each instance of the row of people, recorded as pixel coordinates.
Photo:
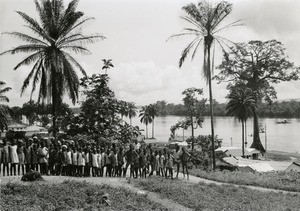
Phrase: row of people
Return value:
(69, 159)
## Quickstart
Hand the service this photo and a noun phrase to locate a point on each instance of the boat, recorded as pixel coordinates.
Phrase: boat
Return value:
(283, 122)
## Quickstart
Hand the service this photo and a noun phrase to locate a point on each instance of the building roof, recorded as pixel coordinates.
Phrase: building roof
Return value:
(261, 167)
(237, 151)
(16, 125)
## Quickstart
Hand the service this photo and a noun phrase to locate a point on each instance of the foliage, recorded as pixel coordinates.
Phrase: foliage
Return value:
(241, 105)
(258, 65)
(281, 180)
(279, 109)
(71, 195)
(146, 117)
(204, 142)
(58, 33)
(4, 109)
(107, 63)
(194, 107)
(100, 113)
(201, 196)
(205, 20)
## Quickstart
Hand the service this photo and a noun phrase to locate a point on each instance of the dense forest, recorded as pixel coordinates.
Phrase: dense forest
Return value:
(284, 109)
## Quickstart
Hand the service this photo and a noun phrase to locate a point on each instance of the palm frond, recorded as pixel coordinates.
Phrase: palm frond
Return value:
(75, 63)
(25, 37)
(25, 49)
(29, 59)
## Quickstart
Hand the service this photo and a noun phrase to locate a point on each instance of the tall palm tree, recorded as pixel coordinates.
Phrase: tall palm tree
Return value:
(57, 34)
(241, 105)
(131, 111)
(153, 113)
(206, 20)
(123, 109)
(4, 109)
(146, 117)
(107, 63)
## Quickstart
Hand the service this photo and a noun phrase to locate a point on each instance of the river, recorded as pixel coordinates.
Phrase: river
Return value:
(281, 137)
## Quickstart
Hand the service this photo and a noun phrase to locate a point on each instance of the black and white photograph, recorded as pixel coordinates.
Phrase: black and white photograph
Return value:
(149, 105)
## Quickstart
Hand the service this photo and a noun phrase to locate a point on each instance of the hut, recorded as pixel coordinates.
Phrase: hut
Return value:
(295, 166)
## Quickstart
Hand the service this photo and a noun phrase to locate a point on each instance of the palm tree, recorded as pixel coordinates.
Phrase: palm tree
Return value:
(123, 109)
(153, 113)
(146, 117)
(57, 35)
(206, 19)
(107, 64)
(4, 109)
(131, 111)
(241, 105)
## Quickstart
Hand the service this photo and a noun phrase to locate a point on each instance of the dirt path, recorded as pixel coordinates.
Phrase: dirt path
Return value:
(114, 182)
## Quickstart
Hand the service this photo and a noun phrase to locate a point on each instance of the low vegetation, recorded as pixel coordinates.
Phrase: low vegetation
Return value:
(289, 181)
(70, 195)
(214, 197)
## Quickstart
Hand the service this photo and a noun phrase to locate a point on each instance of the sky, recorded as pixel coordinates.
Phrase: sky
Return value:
(145, 65)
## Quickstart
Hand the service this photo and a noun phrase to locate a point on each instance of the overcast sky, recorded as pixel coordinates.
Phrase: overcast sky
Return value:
(146, 66)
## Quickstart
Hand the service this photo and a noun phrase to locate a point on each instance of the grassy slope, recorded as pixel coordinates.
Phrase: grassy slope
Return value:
(213, 197)
(70, 195)
(289, 181)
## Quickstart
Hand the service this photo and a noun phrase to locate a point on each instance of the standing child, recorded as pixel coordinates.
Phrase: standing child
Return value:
(185, 156)
(69, 162)
(14, 159)
(74, 162)
(99, 157)
(35, 157)
(162, 163)
(1, 154)
(64, 170)
(80, 162)
(87, 159)
(177, 155)
(94, 162)
(5, 157)
(21, 156)
(169, 164)
(27, 153)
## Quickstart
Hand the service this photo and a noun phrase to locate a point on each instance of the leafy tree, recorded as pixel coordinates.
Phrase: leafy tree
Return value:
(100, 108)
(192, 104)
(146, 117)
(57, 34)
(241, 105)
(4, 109)
(205, 20)
(161, 107)
(258, 65)
(131, 111)
(107, 64)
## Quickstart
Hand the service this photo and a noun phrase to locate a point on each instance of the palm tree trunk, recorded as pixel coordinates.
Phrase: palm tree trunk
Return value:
(146, 130)
(211, 109)
(130, 119)
(153, 128)
(192, 125)
(243, 139)
(54, 102)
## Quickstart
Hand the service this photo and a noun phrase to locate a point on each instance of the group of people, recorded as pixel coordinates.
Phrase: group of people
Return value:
(69, 158)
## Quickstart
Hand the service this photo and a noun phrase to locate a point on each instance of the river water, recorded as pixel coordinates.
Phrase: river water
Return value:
(281, 137)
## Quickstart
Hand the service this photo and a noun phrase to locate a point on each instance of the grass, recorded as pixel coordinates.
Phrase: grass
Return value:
(214, 197)
(70, 195)
(289, 181)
